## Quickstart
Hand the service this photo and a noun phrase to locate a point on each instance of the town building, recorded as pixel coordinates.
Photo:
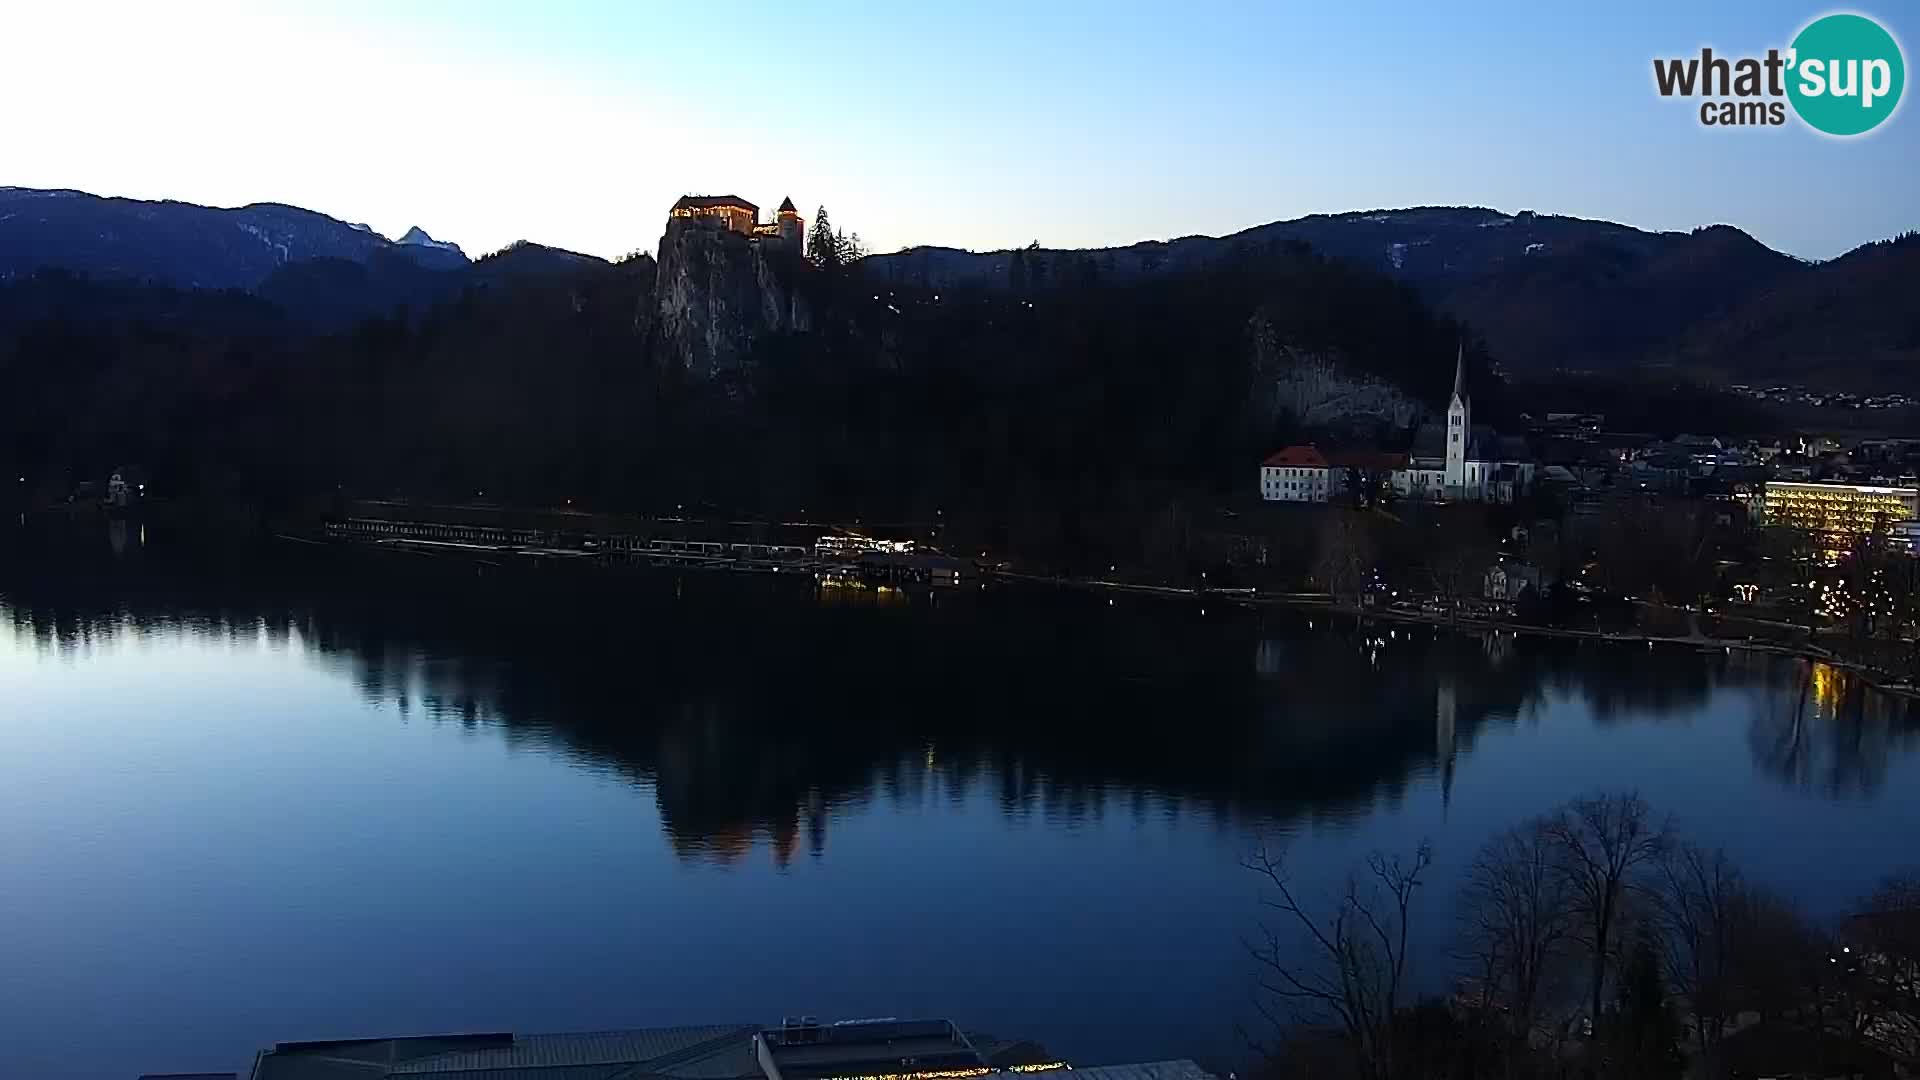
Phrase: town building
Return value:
(1463, 461)
(735, 214)
(1839, 511)
(1309, 474)
(1511, 580)
(1295, 474)
(1456, 461)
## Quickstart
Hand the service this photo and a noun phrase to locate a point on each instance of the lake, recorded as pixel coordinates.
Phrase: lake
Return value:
(257, 794)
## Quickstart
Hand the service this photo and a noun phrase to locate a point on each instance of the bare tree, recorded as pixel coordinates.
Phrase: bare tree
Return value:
(1517, 921)
(1603, 842)
(1703, 915)
(1344, 969)
(1458, 555)
(1344, 561)
(1783, 959)
(1881, 944)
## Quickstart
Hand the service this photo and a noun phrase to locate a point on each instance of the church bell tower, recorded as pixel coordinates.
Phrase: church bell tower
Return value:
(1459, 427)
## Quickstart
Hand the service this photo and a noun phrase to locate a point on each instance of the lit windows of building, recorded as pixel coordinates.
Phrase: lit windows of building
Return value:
(853, 545)
(735, 214)
(1296, 474)
(1840, 511)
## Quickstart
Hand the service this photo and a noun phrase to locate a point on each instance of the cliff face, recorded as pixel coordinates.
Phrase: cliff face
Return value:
(717, 294)
(1321, 391)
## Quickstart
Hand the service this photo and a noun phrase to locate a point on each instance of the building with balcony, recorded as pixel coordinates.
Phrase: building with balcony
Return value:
(1840, 511)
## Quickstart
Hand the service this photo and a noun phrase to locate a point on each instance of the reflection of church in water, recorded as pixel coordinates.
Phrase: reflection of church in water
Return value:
(1446, 709)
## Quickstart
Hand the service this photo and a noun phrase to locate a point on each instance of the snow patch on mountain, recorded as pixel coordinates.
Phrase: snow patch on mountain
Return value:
(280, 252)
(418, 237)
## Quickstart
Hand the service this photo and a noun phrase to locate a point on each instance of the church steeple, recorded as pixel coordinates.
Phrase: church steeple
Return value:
(1458, 477)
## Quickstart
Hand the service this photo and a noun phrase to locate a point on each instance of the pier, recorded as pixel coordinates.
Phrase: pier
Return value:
(837, 555)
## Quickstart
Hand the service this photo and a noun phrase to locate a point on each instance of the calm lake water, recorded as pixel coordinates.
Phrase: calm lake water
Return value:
(305, 793)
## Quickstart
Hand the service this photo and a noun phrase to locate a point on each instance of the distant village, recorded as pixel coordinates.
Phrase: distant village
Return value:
(1575, 456)
(1803, 538)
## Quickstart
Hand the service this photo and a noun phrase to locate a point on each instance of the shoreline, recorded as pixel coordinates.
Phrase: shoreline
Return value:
(1876, 678)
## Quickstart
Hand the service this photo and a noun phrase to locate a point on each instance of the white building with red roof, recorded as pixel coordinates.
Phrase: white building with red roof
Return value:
(1296, 474)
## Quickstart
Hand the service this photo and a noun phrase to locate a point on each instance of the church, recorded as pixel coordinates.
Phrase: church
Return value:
(1461, 461)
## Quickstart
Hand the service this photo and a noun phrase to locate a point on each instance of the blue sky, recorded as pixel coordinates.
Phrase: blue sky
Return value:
(975, 125)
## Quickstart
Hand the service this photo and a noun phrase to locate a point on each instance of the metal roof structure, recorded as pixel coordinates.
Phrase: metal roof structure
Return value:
(717, 1052)
(1176, 1069)
(809, 1050)
(710, 1052)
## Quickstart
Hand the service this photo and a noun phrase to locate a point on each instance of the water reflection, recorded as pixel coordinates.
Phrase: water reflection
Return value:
(759, 709)
(1831, 736)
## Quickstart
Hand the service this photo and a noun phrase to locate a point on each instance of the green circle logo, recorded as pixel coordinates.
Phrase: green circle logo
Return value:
(1846, 74)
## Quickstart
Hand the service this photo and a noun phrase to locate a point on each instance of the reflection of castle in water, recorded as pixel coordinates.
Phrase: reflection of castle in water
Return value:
(756, 716)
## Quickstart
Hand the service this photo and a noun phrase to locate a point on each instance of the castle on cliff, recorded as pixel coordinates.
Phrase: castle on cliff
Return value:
(735, 214)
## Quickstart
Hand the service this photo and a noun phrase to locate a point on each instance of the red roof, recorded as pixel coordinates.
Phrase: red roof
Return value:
(708, 202)
(1296, 457)
(1366, 460)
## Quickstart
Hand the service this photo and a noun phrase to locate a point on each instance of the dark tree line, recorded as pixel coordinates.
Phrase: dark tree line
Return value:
(1594, 941)
(1059, 422)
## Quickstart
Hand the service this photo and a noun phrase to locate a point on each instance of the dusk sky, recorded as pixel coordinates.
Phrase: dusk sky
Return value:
(978, 125)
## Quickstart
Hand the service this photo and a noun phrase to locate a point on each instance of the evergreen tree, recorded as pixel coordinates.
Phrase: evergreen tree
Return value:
(823, 247)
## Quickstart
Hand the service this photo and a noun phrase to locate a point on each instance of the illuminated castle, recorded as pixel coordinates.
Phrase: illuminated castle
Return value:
(735, 214)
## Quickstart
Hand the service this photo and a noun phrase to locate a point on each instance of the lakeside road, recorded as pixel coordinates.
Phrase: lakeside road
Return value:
(1880, 679)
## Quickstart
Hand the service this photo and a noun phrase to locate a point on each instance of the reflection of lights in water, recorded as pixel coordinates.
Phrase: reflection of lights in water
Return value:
(1829, 684)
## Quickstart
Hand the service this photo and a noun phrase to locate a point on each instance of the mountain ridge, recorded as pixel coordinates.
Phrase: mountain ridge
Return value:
(1546, 292)
(178, 243)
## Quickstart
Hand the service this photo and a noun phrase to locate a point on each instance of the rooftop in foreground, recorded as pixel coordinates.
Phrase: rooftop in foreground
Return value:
(718, 1052)
(809, 1050)
(798, 1050)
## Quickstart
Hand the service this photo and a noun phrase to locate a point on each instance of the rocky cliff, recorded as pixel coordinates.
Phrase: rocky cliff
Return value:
(717, 293)
(1321, 391)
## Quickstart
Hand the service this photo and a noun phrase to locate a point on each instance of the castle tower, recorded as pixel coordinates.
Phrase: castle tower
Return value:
(1459, 428)
(792, 229)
